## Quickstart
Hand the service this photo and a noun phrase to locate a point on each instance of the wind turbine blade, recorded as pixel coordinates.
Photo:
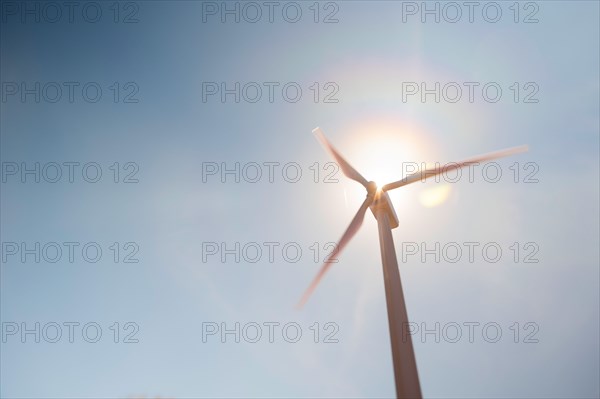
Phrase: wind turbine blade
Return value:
(348, 234)
(431, 172)
(348, 170)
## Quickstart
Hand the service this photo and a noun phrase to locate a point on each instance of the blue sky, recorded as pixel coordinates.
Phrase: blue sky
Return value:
(170, 134)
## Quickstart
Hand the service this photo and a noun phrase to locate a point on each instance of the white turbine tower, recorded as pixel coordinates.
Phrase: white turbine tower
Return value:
(403, 357)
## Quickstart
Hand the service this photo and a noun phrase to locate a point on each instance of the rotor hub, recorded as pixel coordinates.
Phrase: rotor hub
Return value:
(371, 187)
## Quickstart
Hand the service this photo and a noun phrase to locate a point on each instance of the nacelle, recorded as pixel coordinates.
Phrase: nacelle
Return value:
(382, 203)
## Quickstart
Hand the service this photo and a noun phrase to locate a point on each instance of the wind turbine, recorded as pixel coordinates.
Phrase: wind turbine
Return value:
(403, 357)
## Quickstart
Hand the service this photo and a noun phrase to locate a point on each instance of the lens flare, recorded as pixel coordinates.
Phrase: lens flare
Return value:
(434, 196)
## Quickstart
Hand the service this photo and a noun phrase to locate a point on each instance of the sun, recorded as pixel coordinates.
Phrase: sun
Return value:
(387, 151)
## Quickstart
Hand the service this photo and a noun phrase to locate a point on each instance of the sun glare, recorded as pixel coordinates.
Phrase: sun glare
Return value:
(385, 152)
(382, 152)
